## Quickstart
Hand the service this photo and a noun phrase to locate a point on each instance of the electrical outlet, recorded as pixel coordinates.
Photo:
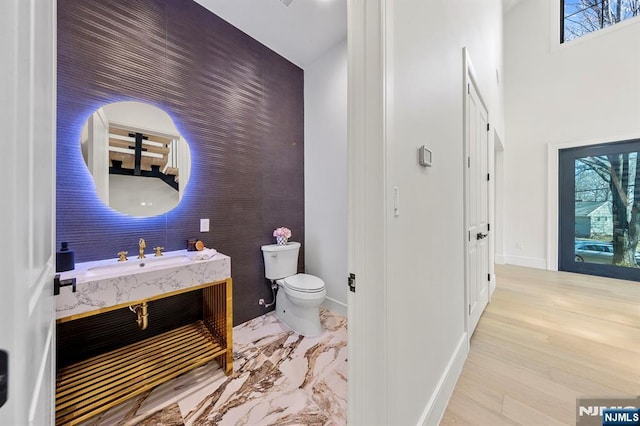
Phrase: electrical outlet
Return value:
(204, 225)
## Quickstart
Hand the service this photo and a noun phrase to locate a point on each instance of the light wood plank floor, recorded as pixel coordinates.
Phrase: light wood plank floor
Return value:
(546, 339)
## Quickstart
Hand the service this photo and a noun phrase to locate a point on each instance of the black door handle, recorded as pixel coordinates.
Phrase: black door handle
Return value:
(57, 283)
(481, 236)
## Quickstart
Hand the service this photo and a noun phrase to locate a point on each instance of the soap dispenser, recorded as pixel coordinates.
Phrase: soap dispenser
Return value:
(65, 258)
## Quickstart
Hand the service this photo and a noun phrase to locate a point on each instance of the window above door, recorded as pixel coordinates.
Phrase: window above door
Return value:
(582, 17)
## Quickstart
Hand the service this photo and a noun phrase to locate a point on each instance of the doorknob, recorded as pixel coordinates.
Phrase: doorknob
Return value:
(481, 236)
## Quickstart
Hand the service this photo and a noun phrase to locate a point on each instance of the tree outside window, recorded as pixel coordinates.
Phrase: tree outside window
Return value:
(580, 17)
(613, 178)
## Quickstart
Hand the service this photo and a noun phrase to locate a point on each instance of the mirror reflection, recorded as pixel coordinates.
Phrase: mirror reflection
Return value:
(139, 162)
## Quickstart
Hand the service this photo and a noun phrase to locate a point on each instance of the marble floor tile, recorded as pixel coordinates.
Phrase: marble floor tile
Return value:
(279, 378)
(169, 416)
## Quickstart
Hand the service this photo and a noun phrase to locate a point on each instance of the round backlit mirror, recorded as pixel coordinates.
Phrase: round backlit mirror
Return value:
(139, 162)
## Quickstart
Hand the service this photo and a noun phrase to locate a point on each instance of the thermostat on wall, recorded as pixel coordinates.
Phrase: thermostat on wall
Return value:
(425, 156)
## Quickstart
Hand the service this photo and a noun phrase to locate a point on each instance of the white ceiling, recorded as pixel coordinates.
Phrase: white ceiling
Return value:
(300, 32)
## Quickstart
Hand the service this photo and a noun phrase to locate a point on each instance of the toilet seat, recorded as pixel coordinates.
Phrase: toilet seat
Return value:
(304, 283)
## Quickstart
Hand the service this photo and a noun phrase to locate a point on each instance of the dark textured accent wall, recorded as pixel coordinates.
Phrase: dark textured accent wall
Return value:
(237, 103)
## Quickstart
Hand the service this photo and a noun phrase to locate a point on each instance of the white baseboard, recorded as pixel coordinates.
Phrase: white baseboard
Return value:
(499, 259)
(529, 262)
(437, 405)
(335, 306)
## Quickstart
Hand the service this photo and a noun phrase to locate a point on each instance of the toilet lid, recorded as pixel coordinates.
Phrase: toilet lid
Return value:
(304, 282)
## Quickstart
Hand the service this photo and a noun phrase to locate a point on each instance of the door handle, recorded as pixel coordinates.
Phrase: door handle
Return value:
(481, 236)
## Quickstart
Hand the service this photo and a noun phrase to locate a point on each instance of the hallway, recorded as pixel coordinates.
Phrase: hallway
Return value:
(546, 339)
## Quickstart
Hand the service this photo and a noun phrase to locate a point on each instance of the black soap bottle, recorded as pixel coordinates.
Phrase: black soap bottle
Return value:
(65, 258)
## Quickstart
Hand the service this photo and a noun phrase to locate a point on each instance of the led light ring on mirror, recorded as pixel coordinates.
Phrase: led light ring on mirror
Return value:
(139, 162)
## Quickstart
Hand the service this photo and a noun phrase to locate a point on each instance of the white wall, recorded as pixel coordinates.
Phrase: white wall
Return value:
(325, 173)
(582, 92)
(425, 244)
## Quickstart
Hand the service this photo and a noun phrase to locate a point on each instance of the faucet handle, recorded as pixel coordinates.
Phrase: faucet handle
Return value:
(122, 256)
(141, 246)
(158, 250)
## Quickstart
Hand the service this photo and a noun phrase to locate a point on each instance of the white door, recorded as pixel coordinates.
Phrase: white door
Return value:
(477, 205)
(27, 120)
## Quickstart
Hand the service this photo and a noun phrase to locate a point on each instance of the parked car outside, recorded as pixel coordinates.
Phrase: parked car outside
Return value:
(596, 252)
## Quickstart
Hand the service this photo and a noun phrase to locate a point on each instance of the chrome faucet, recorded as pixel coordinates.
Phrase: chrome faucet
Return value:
(141, 245)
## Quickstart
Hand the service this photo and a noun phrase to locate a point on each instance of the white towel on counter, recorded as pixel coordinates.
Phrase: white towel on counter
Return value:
(204, 254)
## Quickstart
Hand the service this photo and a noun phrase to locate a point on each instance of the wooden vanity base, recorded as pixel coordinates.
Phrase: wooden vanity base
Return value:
(97, 384)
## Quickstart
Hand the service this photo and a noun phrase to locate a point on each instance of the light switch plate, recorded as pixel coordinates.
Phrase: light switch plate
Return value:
(204, 225)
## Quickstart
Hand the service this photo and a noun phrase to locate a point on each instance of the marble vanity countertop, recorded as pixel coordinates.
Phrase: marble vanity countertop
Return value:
(109, 288)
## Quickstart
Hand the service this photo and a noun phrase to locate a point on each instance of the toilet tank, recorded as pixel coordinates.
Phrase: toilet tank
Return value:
(280, 261)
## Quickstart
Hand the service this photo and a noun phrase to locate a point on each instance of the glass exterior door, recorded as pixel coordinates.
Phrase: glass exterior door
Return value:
(600, 210)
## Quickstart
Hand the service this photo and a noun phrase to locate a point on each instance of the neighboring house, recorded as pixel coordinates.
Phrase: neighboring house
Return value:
(593, 218)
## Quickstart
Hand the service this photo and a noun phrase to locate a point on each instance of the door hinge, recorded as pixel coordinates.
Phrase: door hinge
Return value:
(488, 277)
(468, 88)
(488, 127)
(469, 162)
(352, 282)
(488, 227)
(4, 377)
(469, 235)
(469, 309)
(488, 176)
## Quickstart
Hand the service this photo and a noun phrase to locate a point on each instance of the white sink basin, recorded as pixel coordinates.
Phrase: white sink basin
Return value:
(140, 265)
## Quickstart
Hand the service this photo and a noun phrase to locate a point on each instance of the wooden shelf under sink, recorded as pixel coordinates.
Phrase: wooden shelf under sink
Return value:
(93, 386)
(97, 384)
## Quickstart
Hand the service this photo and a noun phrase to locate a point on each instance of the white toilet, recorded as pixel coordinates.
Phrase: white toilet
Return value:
(299, 295)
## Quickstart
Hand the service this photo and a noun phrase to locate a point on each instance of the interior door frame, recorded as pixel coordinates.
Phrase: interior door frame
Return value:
(470, 78)
(368, 352)
(496, 206)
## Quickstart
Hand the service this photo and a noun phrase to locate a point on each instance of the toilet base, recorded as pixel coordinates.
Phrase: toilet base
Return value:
(304, 320)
